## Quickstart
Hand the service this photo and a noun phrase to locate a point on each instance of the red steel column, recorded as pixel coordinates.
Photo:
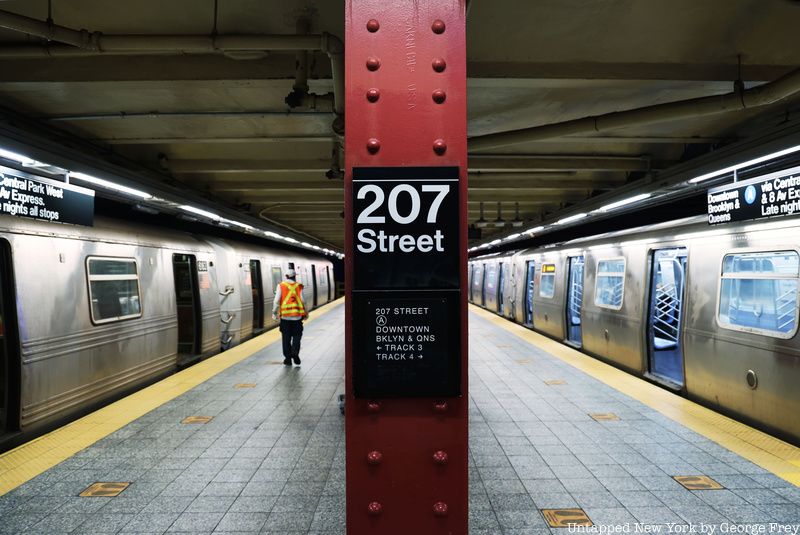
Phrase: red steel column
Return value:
(405, 90)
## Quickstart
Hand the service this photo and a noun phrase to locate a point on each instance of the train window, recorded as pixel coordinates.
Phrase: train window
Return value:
(547, 284)
(610, 283)
(277, 276)
(758, 293)
(113, 289)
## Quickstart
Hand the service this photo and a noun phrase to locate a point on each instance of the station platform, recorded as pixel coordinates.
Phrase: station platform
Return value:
(242, 444)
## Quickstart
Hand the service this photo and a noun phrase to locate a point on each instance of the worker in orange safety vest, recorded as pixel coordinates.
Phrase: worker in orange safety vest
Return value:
(288, 305)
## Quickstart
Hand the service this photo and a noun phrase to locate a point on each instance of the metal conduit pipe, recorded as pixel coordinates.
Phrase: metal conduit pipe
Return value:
(741, 99)
(96, 43)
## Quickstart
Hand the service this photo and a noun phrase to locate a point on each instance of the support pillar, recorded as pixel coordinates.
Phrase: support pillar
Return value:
(405, 267)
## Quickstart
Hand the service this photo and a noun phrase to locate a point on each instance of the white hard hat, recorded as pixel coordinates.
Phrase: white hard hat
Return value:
(291, 274)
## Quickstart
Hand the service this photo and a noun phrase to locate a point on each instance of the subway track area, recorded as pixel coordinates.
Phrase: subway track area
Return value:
(552, 443)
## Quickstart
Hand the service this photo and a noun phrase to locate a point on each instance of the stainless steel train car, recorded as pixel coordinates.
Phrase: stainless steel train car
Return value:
(88, 314)
(708, 312)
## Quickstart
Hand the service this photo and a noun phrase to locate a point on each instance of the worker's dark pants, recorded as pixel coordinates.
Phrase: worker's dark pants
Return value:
(292, 331)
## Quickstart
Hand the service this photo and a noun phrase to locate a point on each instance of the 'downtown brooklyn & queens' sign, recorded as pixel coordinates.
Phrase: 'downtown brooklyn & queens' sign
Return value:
(772, 195)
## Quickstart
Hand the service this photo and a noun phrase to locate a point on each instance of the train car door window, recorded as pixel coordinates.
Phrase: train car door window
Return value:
(9, 345)
(501, 280)
(667, 294)
(187, 293)
(314, 283)
(257, 289)
(575, 300)
(277, 276)
(530, 269)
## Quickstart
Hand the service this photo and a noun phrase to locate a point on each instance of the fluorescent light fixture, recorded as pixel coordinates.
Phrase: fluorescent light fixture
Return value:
(198, 211)
(511, 237)
(742, 165)
(290, 240)
(625, 202)
(534, 230)
(570, 219)
(483, 245)
(19, 158)
(495, 242)
(243, 225)
(306, 244)
(316, 247)
(109, 185)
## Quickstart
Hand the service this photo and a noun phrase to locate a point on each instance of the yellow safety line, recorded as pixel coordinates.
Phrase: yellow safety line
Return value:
(31, 459)
(768, 452)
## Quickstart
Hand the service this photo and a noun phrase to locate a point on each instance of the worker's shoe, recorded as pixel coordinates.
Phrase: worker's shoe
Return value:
(287, 361)
(296, 359)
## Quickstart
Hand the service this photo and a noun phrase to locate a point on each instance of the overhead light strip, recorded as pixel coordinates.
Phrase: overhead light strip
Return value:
(742, 165)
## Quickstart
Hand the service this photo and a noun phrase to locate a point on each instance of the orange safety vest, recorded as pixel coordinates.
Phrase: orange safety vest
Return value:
(291, 300)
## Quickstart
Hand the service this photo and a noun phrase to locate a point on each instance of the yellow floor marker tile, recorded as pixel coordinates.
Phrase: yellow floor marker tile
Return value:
(107, 490)
(197, 419)
(565, 518)
(768, 452)
(56, 446)
(604, 416)
(244, 385)
(698, 482)
(552, 382)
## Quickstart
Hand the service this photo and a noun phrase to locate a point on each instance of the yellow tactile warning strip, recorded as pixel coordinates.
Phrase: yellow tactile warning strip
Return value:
(770, 453)
(604, 416)
(29, 460)
(106, 490)
(698, 482)
(197, 419)
(244, 385)
(565, 518)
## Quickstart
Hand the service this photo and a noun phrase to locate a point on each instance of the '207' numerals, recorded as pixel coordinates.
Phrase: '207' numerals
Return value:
(366, 216)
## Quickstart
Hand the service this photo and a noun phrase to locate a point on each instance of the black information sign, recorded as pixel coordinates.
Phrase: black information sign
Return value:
(775, 194)
(406, 346)
(406, 297)
(405, 227)
(31, 196)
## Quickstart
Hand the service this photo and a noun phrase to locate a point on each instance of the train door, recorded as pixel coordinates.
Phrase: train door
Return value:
(530, 266)
(257, 289)
(667, 294)
(574, 300)
(501, 279)
(187, 293)
(314, 284)
(9, 345)
(330, 286)
(483, 286)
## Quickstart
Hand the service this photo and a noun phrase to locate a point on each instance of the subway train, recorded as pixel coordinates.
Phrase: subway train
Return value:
(708, 312)
(88, 314)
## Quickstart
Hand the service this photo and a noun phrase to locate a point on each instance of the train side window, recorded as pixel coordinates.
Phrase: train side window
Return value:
(610, 283)
(113, 289)
(547, 283)
(758, 293)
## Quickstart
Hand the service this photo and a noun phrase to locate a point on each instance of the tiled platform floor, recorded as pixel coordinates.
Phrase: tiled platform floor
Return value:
(272, 458)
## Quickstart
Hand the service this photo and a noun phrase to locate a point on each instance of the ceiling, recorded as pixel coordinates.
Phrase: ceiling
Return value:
(218, 123)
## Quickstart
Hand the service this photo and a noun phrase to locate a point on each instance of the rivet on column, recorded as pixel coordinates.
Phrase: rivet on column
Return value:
(440, 147)
(373, 95)
(440, 509)
(373, 146)
(440, 457)
(373, 25)
(438, 26)
(373, 406)
(440, 406)
(373, 63)
(439, 96)
(439, 65)
(375, 457)
(375, 508)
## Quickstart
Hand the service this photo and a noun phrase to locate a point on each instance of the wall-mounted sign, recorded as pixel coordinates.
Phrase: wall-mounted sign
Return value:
(407, 349)
(406, 297)
(40, 198)
(405, 227)
(772, 195)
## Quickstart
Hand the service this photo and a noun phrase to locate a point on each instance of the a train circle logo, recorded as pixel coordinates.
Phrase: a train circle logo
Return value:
(750, 194)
